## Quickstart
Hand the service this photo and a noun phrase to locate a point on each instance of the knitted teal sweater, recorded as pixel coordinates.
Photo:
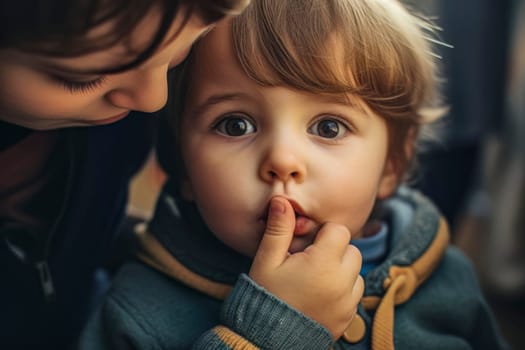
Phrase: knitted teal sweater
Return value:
(188, 290)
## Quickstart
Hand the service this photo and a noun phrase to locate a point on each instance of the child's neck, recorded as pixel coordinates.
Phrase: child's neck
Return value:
(370, 229)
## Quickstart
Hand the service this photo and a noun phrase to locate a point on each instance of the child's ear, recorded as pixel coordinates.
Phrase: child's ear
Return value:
(395, 168)
(389, 180)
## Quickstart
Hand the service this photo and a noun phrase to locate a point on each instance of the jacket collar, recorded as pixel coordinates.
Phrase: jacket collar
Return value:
(178, 227)
(418, 240)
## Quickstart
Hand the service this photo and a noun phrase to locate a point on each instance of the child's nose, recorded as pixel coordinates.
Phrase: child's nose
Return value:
(282, 164)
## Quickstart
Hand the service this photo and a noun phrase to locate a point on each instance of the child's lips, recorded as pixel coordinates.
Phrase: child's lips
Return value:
(303, 223)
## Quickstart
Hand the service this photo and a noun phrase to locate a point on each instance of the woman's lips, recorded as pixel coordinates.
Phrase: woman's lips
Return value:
(110, 119)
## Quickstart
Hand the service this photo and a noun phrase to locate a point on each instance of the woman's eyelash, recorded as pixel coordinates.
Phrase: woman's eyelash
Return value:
(80, 86)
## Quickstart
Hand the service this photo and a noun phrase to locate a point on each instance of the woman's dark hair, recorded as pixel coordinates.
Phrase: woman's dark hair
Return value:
(58, 28)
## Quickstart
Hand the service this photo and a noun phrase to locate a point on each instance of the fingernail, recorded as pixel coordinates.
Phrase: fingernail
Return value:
(276, 207)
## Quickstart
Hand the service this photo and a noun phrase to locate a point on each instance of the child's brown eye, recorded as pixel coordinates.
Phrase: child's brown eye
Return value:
(235, 126)
(328, 128)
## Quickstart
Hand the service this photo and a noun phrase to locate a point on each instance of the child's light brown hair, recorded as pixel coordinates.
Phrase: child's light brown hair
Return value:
(372, 51)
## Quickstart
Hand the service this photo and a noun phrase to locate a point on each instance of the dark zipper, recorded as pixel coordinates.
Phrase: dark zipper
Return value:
(46, 282)
(41, 265)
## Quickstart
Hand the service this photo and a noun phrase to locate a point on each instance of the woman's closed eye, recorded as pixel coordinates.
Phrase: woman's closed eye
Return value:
(235, 125)
(79, 86)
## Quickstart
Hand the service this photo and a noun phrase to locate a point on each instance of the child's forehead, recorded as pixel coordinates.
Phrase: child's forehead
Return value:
(214, 58)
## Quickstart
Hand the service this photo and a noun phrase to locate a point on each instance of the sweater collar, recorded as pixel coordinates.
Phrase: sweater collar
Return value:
(179, 228)
(415, 226)
(413, 223)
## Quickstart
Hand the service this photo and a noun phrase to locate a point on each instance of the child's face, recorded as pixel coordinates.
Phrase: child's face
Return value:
(242, 144)
(42, 92)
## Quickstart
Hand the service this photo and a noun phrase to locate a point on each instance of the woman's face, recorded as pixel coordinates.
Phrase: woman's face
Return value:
(42, 92)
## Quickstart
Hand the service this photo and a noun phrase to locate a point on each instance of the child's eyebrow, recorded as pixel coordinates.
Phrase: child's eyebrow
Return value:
(340, 99)
(216, 99)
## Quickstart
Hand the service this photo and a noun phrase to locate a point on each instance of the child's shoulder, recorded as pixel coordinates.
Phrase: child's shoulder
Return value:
(146, 305)
(142, 286)
(454, 285)
(458, 267)
(448, 311)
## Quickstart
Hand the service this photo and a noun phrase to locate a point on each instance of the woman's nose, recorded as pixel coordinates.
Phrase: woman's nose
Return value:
(143, 90)
(282, 163)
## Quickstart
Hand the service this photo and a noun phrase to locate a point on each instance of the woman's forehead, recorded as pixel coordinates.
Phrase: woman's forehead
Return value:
(119, 54)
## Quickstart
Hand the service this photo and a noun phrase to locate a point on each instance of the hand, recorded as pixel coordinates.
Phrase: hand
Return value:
(322, 282)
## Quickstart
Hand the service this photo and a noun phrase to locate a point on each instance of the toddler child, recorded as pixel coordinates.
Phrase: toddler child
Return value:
(311, 108)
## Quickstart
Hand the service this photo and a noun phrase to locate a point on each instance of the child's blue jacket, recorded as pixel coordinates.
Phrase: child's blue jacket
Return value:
(187, 290)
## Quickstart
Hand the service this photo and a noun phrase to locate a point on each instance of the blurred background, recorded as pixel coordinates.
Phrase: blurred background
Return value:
(475, 169)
